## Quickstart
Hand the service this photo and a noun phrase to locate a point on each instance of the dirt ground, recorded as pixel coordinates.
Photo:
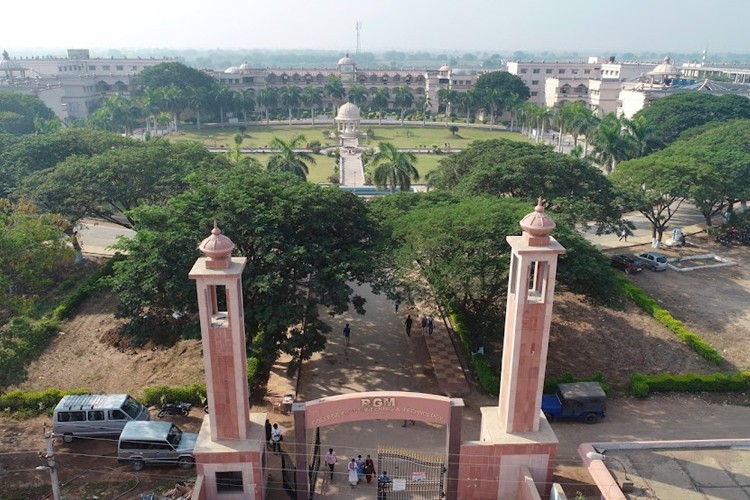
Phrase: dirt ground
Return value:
(584, 339)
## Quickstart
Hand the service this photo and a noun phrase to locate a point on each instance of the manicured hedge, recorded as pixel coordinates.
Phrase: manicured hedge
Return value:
(33, 403)
(642, 385)
(651, 307)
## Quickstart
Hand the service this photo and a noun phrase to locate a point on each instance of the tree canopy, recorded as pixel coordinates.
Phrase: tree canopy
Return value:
(457, 245)
(174, 74)
(22, 114)
(110, 184)
(302, 254)
(672, 115)
(572, 188)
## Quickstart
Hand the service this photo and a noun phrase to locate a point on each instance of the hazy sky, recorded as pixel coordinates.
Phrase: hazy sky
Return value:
(596, 27)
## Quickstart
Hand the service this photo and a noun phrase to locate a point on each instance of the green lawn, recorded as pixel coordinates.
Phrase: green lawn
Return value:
(401, 137)
(324, 165)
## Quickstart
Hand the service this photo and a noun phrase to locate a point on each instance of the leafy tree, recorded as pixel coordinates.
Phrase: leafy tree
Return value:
(392, 168)
(116, 114)
(22, 114)
(457, 245)
(302, 255)
(496, 90)
(34, 254)
(289, 160)
(447, 98)
(108, 185)
(37, 152)
(655, 186)
(175, 74)
(403, 99)
(245, 100)
(642, 138)
(574, 190)
(670, 116)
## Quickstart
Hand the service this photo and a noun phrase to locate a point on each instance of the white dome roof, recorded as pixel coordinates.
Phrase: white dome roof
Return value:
(666, 68)
(232, 70)
(346, 60)
(244, 66)
(348, 111)
(444, 67)
(7, 64)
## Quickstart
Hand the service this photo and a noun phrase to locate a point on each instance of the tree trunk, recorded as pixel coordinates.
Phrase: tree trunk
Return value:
(198, 118)
(312, 115)
(221, 116)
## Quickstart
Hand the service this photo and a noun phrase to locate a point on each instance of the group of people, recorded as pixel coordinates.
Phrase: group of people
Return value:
(427, 323)
(357, 468)
(274, 436)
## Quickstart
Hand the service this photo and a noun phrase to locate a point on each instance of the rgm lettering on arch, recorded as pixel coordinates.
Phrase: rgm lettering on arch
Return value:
(393, 405)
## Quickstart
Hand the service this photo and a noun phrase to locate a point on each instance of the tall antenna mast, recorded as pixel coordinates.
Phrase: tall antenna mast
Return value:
(359, 29)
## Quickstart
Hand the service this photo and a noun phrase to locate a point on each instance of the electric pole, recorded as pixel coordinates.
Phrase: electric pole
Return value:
(51, 465)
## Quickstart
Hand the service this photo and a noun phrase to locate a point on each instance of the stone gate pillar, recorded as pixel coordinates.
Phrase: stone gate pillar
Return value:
(516, 440)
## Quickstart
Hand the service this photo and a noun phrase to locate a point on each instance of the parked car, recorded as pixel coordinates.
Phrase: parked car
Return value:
(95, 415)
(654, 261)
(577, 401)
(159, 443)
(627, 263)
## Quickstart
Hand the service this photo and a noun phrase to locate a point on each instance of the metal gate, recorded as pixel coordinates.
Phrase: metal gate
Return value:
(422, 474)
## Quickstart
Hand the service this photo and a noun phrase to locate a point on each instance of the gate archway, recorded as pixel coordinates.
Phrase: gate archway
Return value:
(379, 405)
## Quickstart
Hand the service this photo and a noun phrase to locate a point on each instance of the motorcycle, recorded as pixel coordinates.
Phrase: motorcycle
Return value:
(181, 409)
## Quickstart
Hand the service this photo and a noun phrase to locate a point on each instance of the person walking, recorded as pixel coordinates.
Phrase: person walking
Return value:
(397, 303)
(276, 438)
(369, 469)
(347, 332)
(430, 325)
(352, 468)
(408, 324)
(360, 468)
(331, 460)
(268, 433)
(423, 323)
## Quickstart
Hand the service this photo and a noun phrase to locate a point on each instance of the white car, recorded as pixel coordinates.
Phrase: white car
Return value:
(654, 261)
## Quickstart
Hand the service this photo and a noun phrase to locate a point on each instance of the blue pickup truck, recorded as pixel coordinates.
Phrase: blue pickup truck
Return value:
(584, 401)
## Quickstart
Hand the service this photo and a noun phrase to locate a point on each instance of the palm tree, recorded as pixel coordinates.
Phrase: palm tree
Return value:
(245, 100)
(446, 97)
(175, 100)
(268, 98)
(514, 105)
(358, 95)
(289, 160)
(335, 90)
(392, 168)
(291, 97)
(380, 102)
(312, 97)
(469, 100)
(426, 102)
(403, 99)
(220, 97)
(610, 144)
(641, 137)
(197, 97)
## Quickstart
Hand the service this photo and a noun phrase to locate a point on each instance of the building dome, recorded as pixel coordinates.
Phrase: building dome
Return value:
(244, 66)
(665, 69)
(7, 64)
(348, 112)
(444, 67)
(537, 226)
(233, 70)
(346, 60)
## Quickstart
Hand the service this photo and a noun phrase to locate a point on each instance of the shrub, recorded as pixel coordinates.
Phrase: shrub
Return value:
(642, 385)
(34, 403)
(488, 379)
(92, 284)
(155, 396)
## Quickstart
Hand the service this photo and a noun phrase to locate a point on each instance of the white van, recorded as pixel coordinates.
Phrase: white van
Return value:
(95, 415)
(159, 443)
